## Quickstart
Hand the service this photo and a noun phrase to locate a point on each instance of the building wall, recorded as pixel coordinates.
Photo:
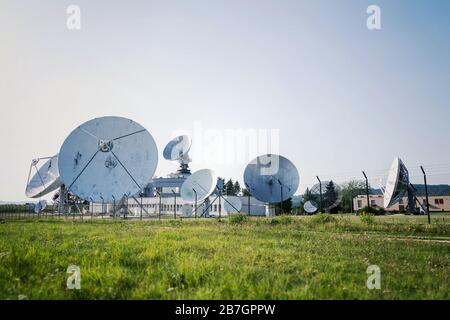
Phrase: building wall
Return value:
(437, 203)
(151, 206)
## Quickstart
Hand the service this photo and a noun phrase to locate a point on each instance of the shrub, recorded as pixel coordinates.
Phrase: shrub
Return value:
(238, 218)
(322, 218)
(367, 218)
(376, 211)
(283, 219)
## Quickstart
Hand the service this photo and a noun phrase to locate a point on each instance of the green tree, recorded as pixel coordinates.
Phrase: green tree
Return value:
(245, 192)
(284, 207)
(307, 195)
(236, 188)
(229, 188)
(350, 190)
(330, 196)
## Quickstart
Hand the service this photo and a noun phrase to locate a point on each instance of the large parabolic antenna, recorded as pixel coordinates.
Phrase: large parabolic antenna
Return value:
(45, 180)
(397, 183)
(198, 186)
(398, 186)
(107, 158)
(327, 195)
(178, 150)
(271, 178)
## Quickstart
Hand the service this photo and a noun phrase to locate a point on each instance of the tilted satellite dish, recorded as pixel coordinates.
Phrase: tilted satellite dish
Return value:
(327, 195)
(202, 182)
(45, 180)
(398, 186)
(232, 204)
(186, 209)
(397, 183)
(310, 206)
(107, 158)
(271, 178)
(41, 205)
(178, 150)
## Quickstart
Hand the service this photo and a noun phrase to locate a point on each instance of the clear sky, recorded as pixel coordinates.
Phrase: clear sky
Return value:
(343, 98)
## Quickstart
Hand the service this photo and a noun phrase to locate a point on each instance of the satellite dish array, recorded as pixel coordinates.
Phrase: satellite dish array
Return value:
(109, 159)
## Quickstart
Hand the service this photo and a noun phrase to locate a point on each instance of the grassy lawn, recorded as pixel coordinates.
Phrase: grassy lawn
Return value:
(263, 258)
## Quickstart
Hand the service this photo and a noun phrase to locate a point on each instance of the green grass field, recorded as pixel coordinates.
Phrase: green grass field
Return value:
(318, 257)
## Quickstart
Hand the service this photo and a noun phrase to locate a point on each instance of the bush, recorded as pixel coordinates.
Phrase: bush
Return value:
(376, 211)
(283, 219)
(367, 218)
(238, 218)
(322, 218)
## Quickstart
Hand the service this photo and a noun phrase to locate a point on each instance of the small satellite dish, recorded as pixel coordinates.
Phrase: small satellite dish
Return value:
(177, 148)
(186, 209)
(41, 205)
(271, 178)
(107, 158)
(203, 182)
(232, 205)
(329, 197)
(310, 206)
(45, 180)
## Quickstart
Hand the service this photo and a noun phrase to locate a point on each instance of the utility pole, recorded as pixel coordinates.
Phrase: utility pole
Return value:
(195, 192)
(426, 193)
(175, 205)
(248, 198)
(367, 189)
(320, 188)
(281, 188)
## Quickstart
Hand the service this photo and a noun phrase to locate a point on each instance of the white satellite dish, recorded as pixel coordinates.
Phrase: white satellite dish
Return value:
(398, 185)
(271, 178)
(41, 205)
(391, 192)
(177, 148)
(107, 158)
(202, 182)
(310, 206)
(45, 180)
(232, 205)
(186, 209)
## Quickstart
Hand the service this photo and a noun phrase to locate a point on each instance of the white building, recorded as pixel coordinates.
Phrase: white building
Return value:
(162, 196)
(437, 203)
